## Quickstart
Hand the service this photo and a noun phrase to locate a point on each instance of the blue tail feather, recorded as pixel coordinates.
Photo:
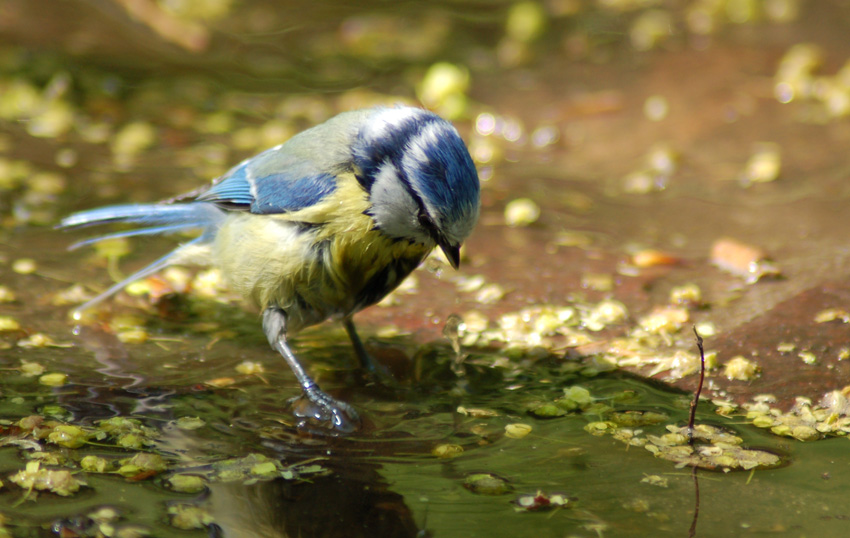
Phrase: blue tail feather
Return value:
(144, 272)
(192, 215)
(157, 219)
(131, 233)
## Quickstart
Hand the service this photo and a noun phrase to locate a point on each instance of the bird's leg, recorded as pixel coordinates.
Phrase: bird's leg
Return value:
(321, 407)
(373, 369)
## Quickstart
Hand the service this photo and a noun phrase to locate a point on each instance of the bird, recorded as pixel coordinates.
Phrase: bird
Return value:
(319, 227)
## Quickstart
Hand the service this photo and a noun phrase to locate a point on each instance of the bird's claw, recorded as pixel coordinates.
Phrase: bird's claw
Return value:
(317, 408)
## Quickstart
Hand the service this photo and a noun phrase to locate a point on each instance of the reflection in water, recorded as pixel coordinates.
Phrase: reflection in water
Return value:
(353, 502)
(120, 373)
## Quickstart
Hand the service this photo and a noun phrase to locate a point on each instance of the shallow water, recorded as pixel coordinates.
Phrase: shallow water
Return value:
(386, 481)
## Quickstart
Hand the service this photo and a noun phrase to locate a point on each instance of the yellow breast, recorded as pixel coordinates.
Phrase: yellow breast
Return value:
(322, 261)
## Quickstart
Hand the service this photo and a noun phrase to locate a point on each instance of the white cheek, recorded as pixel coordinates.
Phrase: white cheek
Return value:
(392, 206)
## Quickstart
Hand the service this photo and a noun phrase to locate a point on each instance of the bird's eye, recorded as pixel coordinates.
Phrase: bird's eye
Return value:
(426, 222)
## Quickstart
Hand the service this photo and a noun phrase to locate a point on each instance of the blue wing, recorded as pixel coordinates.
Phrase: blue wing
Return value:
(272, 182)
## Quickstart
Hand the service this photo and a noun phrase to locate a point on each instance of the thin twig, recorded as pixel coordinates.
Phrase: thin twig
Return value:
(695, 401)
(693, 530)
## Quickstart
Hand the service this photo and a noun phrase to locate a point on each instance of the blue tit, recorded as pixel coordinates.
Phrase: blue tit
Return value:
(321, 226)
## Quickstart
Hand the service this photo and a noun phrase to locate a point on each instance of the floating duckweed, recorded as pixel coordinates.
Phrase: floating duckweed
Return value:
(651, 28)
(668, 439)
(31, 369)
(782, 429)
(123, 322)
(208, 283)
(133, 138)
(18, 99)
(599, 427)
(597, 281)
(250, 368)
(687, 295)
(53, 380)
(666, 319)
(786, 347)
(266, 468)
(219, 122)
(142, 463)
(572, 238)
(742, 11)
(521, 212)
(444, 88)
(130, 440)
(604, 313)
(7, 295)
(34, 477)
(469, 284)
(49, 183)
(632, 419)
(639, 506)
(805, 433)
(578, 394)
(641, 182)
(133, 336)
(517, 430)
(447, 450)
(832, 314)
(477, 412)
(185, 483)
(113, 248)
(474, 322)
(255, 467)
(54, 119)
(763, 165)
(189, 517)
(486, 484)
(189, 423)
(740, 369)
(489, 294)
(526, 21)
(794, 75)
(48, 457)
(94, 464)
(548, 410)
(655, 480)
(68, 436)
(9, 324)
(220, 382)
(39, 340)
(24, 266)
(763, 421)
(74, 294)
(127, 433)
(808, 357)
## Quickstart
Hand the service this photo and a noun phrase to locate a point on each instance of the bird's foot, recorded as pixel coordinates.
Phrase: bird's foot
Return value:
(375, 373)
(315, 408)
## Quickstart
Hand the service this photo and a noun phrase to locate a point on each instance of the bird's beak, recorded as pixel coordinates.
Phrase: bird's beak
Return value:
(452, 253)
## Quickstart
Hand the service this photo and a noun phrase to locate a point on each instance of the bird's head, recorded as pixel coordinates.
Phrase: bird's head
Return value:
(422, 184)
